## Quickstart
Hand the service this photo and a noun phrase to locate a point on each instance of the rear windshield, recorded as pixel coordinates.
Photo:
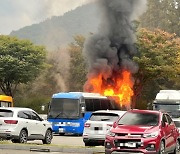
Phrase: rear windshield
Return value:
(104, 117)
(6, 113)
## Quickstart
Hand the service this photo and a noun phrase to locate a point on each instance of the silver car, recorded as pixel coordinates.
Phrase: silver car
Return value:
(98, 125)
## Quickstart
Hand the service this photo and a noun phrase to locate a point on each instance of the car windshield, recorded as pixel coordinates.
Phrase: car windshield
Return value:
(134, 118)
(6, 113)
(104, 117)
(64, 108)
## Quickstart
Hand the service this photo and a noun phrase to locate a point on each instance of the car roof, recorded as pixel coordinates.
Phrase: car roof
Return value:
(119, 112)
(145, 111)
(16, 108)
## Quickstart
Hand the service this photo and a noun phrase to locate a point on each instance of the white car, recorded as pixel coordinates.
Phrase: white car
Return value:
(22, 124)
(98, 125)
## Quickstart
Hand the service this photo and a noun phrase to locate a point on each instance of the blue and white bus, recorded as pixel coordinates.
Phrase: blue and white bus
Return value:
(69, 111)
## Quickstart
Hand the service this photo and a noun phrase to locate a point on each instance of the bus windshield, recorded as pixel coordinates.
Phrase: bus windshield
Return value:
(172, 109)
(64, 108)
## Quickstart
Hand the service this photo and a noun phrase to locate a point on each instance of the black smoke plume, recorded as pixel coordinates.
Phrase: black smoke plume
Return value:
(111, 50)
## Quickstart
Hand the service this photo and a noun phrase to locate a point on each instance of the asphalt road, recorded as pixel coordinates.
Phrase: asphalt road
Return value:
(5, 151)
(67, 140)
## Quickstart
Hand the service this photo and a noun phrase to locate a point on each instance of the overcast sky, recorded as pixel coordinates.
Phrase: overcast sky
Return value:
(15, 14)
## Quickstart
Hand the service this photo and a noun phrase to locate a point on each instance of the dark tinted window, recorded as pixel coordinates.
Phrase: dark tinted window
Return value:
(6, 113)
(24, 114)
(169, 118)
(89, 105)
(35, 116)
(133, 118)
(104, 117)
(98, 104)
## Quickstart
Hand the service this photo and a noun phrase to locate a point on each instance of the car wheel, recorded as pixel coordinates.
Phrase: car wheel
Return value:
(162, 148)
(23, 137)
(177, 149)
(48, 137)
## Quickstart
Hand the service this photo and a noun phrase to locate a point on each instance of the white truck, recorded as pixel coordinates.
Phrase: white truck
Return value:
(169, 101)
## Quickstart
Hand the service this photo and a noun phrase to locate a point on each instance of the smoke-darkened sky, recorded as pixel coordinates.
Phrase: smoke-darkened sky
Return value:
(15, 14)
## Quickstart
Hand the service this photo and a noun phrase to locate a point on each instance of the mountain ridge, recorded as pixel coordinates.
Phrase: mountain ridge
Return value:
(58, 31)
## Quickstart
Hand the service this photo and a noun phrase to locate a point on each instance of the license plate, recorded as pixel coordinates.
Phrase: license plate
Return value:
(61, 130)
(97, 128)
(130, 144)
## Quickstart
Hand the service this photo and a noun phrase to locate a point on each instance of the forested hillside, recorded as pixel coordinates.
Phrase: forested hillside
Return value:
(58, 31)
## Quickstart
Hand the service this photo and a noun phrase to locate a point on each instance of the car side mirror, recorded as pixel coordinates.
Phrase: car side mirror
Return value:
(164, 124)
(115, 124)
(42, 119)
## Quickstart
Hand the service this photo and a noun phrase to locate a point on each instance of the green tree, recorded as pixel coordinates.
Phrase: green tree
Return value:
(158, 63)
(51, 80)
(77, 71)
(162, 14)
(20, 62)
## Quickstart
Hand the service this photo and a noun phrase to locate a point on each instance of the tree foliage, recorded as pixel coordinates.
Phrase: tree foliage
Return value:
(20, 62)
(77, 71)
(162, 14)
(159, 65)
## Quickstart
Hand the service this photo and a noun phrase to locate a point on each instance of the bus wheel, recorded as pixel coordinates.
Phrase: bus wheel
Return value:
(61, 134)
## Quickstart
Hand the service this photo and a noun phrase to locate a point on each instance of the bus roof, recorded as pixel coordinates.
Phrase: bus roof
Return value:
(169, 95)
(77, 95)
(6, 98)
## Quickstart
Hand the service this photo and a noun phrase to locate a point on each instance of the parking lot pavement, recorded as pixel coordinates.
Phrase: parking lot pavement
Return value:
(6, 151)
(46, 149)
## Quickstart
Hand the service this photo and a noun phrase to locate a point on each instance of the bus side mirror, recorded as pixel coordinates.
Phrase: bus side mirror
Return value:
(82, 109)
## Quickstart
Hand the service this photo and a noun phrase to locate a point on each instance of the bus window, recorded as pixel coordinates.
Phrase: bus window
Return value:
(106, 104)
(5, 104)
(98, 104)
(89, 105)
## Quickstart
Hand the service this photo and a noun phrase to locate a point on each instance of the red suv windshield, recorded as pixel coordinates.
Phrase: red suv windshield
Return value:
(134, 118)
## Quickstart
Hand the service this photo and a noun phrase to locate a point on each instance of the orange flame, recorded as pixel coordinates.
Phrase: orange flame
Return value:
(119, 88)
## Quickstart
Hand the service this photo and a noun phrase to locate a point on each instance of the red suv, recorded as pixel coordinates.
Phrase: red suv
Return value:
(143, 131)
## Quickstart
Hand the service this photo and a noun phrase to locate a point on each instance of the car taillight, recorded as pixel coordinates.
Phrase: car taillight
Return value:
(11, 121)
(87, 125)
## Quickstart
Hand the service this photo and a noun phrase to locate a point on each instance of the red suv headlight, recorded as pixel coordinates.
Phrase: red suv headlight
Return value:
(151, 135)
(109, 133)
